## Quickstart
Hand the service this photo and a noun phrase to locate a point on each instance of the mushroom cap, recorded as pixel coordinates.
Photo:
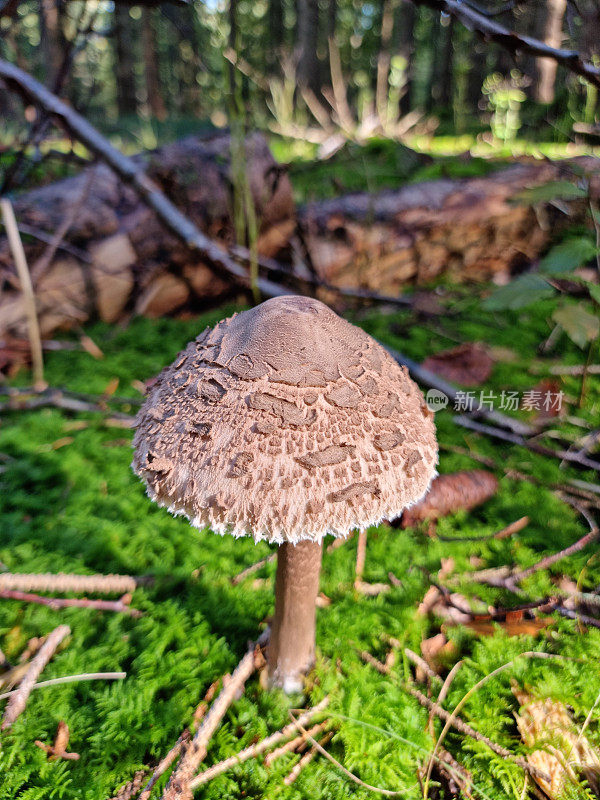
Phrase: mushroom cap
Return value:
(285, 423)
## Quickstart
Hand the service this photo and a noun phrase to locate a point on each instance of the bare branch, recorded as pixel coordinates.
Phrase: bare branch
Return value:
(492, 31)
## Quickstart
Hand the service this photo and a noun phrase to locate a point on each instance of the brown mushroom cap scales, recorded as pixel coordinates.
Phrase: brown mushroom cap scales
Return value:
(285, 423)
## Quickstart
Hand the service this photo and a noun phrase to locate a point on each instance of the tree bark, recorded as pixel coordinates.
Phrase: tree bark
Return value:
(153, 87)
(291, 649)
(307, 33)
(124, 61)
(545, 68)
(51, 38)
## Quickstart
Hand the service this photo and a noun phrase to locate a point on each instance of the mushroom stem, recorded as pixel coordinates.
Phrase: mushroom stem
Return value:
(291, 650)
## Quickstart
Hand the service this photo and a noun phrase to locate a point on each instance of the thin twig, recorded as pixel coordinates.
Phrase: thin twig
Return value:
(84, 676)
(64, 582)
(257, 749)
(164, 764)
(473, 19)
(503, 533)
(467, 730)
(241, 576)
(18, 252)
(306, 759)
(294, 743)
(179, 784)
(463, 700)
(18, 701)
(513, 438)
(342, 768)
(70, 602)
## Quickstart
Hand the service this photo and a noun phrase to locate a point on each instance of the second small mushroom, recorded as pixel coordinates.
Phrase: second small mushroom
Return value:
(286, 423)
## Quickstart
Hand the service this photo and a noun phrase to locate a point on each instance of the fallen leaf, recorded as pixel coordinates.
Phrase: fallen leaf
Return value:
(90, 346)
(111, 387)
(560, 750)
(450, 493)
(63, 442)
(437, 651)
(468, 364)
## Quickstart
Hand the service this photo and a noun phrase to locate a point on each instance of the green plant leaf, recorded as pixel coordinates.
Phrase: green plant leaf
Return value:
(579, 325)
(546, 192)
(523, 291)
(568, 255)
(594, 290)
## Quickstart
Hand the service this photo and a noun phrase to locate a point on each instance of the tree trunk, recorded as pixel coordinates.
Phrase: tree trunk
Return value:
(545, 68)
(149, 44)
(124, 61)
(404, 45)
(51, 38)
(307, 34)
(383, 62)
(276, 34)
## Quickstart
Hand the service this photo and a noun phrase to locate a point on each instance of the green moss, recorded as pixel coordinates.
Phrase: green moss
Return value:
(79, 508)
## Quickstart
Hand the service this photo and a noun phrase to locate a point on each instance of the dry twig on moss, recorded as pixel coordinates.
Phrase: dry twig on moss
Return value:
(179, 787)
(164, 764)
(293, 744)
(64, 582)
(120, 606)
(306, 759)
(16, 704)
(260, 747)
(253, 568)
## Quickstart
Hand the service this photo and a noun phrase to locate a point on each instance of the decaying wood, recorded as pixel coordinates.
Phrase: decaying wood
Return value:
(257, 749)
(179, 787)
(63, 582)
(465, 229)
(16, 704)
(119, 226)
(450, 493)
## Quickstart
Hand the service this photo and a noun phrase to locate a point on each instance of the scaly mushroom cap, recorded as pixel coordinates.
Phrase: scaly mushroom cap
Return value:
(284, 423)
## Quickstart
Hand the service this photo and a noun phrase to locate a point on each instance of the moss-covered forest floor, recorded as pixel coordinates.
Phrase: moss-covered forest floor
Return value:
(70, 503)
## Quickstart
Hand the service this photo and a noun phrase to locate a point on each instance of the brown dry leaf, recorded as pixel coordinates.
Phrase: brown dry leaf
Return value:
(560, 750)
(547, 389)
(468, 364)
(111, 387)
(515, 624)
(437, 651)
(59, 746)
(90, 346)
(62, 442)
(450, 493)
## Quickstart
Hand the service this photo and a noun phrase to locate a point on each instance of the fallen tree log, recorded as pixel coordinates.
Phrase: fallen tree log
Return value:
(467, 229)
(115, 256)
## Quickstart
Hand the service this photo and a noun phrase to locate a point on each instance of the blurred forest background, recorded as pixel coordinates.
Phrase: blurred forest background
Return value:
(299, 68)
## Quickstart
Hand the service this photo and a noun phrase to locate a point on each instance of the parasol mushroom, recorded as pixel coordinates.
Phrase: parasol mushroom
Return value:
(286, 423)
